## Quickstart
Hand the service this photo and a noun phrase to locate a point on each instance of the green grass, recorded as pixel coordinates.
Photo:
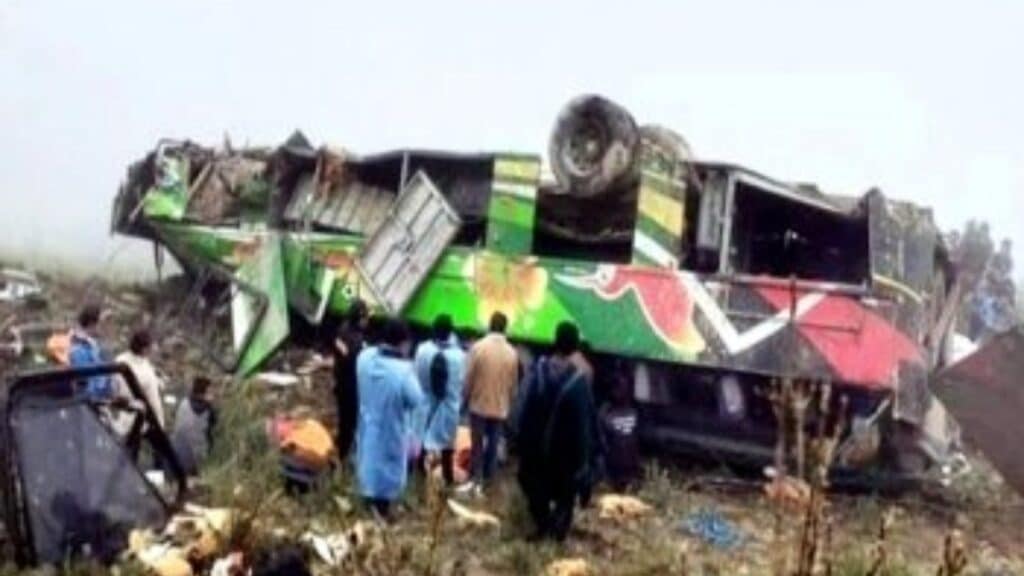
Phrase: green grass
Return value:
(860, 564)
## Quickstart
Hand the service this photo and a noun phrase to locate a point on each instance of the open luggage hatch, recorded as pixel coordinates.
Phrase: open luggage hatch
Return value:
(404, 248)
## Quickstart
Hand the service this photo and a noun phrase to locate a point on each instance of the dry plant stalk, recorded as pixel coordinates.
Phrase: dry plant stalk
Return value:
(801, 401)
(827, 563)
(954, 557)
(244, 523)
(437, 498)
(822, 455)
(791, 404)
(778, 396)
(684, 562)
(880, 562)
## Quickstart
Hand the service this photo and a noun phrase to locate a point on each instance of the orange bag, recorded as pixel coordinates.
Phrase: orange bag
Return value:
(463, 449)
(58, 348)
(309, 443)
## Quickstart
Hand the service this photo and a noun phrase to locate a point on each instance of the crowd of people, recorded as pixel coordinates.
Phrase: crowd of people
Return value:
(191, 436)
(399, 410)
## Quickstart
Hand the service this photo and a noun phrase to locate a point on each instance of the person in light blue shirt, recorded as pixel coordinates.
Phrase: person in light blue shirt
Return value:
(425, 352)
(440, 368)
(388, 394)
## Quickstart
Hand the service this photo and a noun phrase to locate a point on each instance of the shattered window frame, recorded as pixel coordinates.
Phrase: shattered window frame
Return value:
(62, 387)
(192, 307)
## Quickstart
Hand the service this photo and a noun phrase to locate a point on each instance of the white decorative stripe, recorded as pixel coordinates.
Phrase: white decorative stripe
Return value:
(516, 189)
(734, 341)
(648, 247)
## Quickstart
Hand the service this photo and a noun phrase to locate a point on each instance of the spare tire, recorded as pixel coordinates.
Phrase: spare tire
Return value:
(667, 143)
(593, 146)
(672, 151)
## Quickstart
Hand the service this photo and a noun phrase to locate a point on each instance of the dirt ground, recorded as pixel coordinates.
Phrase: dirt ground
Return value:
(986, 516)
(978, 510)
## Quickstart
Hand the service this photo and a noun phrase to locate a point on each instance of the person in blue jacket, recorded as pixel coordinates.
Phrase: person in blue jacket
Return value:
(421, 359)
(86, 351)
(388, 394)
(440, 368)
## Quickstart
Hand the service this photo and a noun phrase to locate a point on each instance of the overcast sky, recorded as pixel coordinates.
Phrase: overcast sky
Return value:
(923, 99)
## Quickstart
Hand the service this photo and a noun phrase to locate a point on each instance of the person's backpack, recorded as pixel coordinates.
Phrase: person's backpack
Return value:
(439, 375)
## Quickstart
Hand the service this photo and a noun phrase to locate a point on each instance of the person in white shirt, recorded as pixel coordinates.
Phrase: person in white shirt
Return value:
(152, 386)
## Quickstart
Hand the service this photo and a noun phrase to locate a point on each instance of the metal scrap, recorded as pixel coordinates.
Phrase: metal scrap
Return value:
(472, 518)
(335, 549)
(985, 395)
(224, 185)
(19, 285)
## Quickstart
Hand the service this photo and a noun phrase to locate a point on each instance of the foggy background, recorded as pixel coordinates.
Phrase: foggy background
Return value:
(919, 98)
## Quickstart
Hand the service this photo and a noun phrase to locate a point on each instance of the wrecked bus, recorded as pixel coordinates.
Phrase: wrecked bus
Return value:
(704, 282)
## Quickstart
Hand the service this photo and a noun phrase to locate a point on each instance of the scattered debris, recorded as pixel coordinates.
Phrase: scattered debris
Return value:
(569, 567)
(335, 549)
(332, 550)
(19, 286)
(162, 559)
(203, 529)
(787, 492)
(192, 537)
(231, 565)
(343, 504)
(278, 379)
(33, 338)
(621, 507)
(315, 363)
(471, 518)
(608, 547)
(713, 528)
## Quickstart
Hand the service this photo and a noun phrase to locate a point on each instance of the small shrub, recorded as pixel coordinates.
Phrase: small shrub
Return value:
(658, 487)
(859, 563)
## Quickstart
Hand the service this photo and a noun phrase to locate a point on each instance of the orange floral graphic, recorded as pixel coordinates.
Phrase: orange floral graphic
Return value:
(504, 285)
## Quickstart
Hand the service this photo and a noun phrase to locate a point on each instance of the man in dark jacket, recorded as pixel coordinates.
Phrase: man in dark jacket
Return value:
(346, 348)
(556, 436)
